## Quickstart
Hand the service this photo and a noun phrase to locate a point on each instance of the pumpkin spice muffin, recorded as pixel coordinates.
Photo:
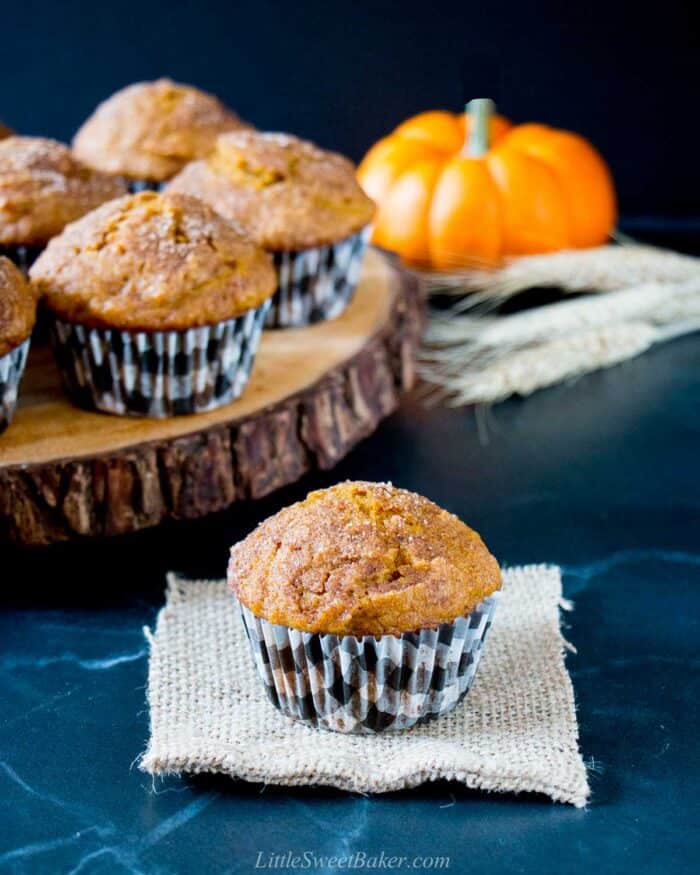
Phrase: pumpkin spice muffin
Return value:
(300, 203)
(369, 603)
(287, 193)
(17, 317)
(148, 131)
(157, 305)
(43, 188)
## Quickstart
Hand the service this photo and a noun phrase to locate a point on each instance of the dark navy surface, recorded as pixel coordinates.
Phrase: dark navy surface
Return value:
(601, 476)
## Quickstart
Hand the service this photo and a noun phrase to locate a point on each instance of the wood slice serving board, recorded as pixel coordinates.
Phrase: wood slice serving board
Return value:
(313, 394)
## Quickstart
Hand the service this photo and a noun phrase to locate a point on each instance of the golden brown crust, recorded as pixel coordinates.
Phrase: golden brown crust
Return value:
(17, 307)
(4, 131)
(150, 130)
(153, 262)
(285, 192)
(362, 559)
(43, 187)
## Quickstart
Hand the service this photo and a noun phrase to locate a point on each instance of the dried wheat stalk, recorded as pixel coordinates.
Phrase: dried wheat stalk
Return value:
(653, 302)
(529, 369)
(470, 359)
(604, 268)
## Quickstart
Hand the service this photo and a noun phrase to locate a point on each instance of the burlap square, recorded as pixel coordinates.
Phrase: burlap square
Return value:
(515, 731)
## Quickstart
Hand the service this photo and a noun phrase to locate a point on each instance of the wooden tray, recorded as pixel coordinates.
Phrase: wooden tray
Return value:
(313, 394)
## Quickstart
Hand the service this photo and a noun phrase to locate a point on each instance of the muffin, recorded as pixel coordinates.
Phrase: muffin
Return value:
(43, 188)
(298, 202)
(17, 316)
(366, 606)
(148, 131)
(156, 305)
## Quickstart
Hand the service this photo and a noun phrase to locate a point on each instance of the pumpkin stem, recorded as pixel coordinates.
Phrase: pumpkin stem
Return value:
(479, 111)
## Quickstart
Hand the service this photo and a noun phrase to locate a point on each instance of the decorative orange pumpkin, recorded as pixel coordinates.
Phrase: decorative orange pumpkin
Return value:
(455, 190)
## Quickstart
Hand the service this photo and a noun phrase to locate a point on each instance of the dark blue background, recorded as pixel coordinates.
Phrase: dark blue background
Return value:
(624, 74)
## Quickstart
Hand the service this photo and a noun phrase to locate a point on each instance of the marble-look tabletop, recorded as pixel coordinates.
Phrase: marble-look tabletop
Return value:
(601, 476)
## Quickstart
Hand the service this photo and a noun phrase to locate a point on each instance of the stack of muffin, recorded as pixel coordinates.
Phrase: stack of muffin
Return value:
(160, 246)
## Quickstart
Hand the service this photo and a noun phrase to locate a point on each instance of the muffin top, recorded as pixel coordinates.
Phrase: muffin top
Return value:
(362, 559)
(150, 130)
(43, 187)
(287, 193)
(152, 262)
(17, 307)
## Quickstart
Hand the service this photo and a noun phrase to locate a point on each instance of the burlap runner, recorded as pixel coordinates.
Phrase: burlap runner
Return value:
(515, 731)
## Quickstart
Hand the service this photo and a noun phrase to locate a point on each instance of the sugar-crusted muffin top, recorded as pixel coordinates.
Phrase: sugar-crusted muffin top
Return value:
(286, 192)
(43, 187)
(362, 559)
(152, 262)
(17, 307)
(150, 130)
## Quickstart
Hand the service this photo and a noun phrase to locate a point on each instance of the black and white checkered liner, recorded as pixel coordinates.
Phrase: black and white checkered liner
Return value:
(161, 373)
(11, 370)
(366, 685)
(23, 256)
(316, 284)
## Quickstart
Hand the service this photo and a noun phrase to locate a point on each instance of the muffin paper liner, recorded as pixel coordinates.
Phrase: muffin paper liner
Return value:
(366, 685)
(11, 370)
(23, 256)
(316, 284)
(161, 373)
